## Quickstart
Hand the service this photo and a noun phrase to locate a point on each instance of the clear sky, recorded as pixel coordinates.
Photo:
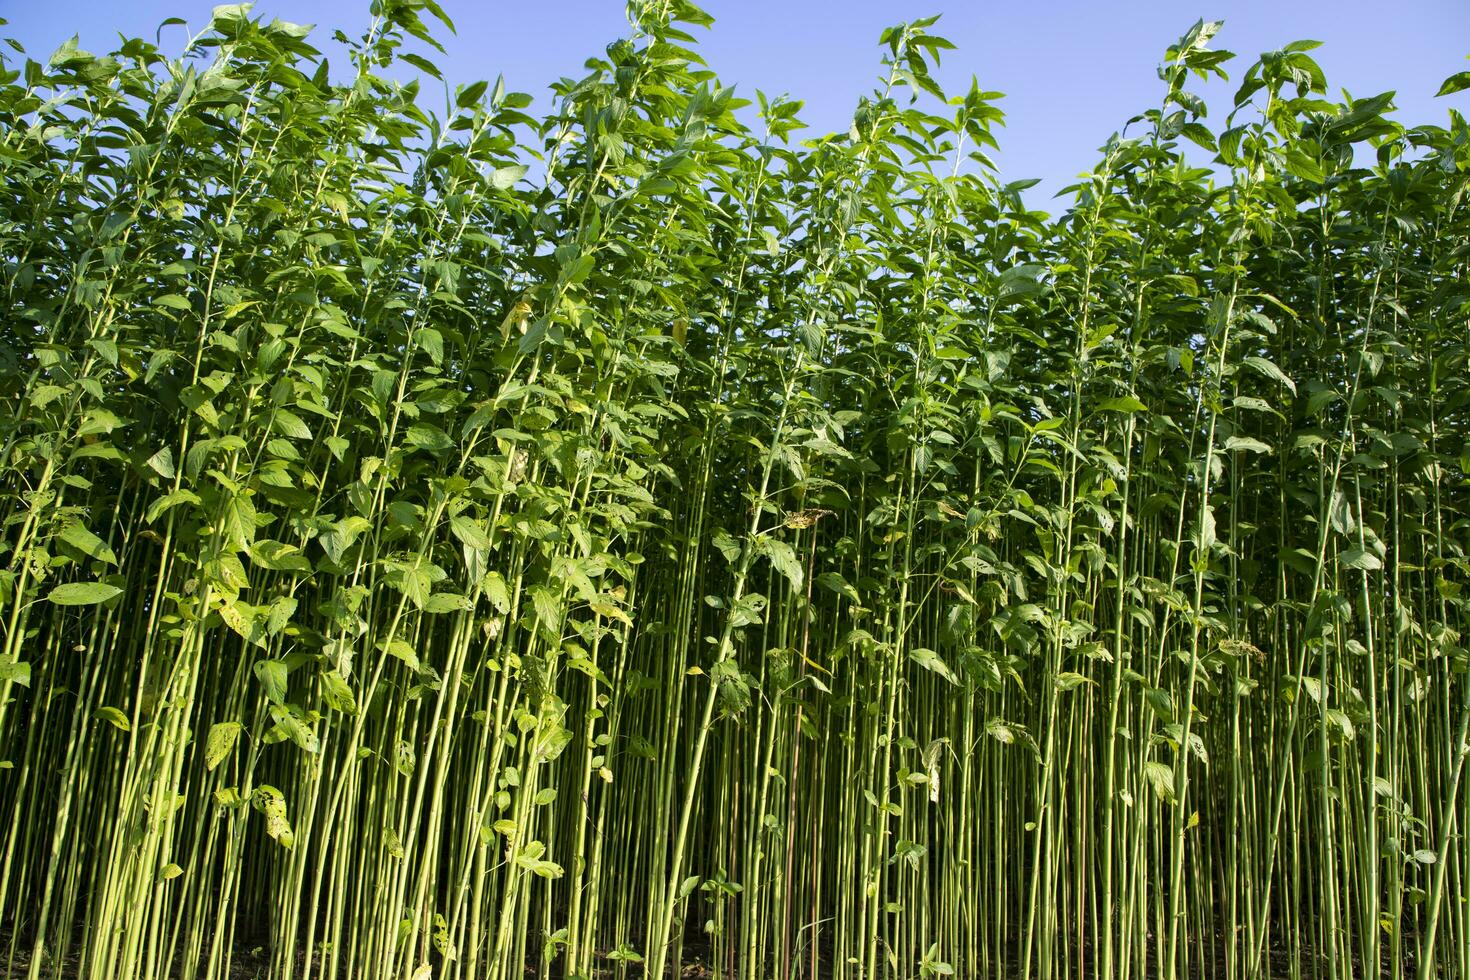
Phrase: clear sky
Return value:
(1073, 70)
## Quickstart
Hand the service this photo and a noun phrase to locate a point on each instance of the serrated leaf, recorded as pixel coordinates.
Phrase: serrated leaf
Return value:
(1161, 779)
(1070, 680)
(548, 610)
(470, 533)
(783, 559)
(495, 589)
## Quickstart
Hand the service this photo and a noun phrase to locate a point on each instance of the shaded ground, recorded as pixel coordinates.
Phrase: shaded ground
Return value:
(252, 962)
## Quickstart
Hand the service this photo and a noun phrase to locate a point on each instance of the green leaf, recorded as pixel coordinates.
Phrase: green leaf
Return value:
(548, 610)
(1069, 680)
(504, 178)
(422, 64)
(83, 593)
(1341, 514)
(931, 661)
(836, 583)
(1302, 166)
(400, 650)
(1457, 82)
(1246, 444)
(432, 341)
(237, 523)
(231, 11)
(293, 723)
(471, 533)
(495, 589)
(337, 693)
(16, 672)
(278, 556)
(727, 546)
(162, 463)
(169, 501)
(470, 95)
(274, 677)
(290, 425)
(414, 582)
(1161, 778)
(783, 559)
(88, 543)
(428, 437)
(1207, 528)
(443, 602)
(1270, 370)
(1020, 281)
(625, 953)
(1123, 403)
(113, 717)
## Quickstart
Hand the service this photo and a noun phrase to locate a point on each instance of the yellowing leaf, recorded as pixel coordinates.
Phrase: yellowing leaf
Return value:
(219, 742)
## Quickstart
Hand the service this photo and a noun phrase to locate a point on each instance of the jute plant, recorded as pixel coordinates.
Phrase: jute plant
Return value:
(630, 539)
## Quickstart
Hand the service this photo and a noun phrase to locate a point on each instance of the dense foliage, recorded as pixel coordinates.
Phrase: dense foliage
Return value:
(471, 544)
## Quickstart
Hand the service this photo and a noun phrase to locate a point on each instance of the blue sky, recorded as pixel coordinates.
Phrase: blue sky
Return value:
(1072, 70)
